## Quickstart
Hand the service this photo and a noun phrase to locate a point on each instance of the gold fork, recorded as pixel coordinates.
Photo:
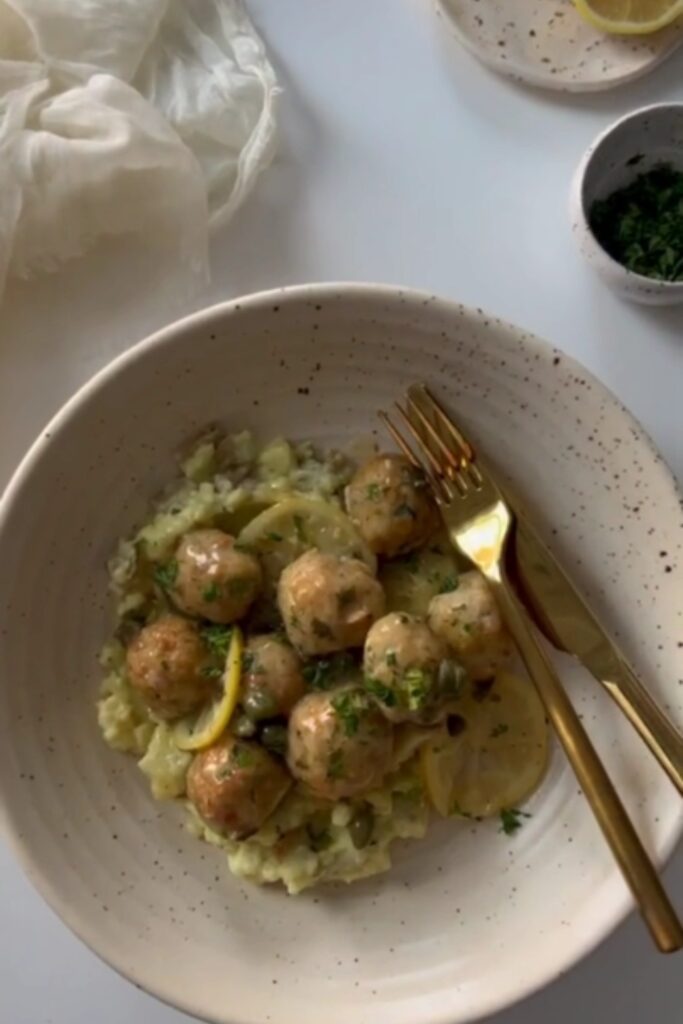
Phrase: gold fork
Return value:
(480, 524)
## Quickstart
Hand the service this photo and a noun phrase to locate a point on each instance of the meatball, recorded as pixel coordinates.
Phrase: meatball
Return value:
(389, 503)
(409, 672)
(468, 620)
(340, 745)
(215, 580)
(235, 785)
(272, 680)
(328, 603)
(166, 664)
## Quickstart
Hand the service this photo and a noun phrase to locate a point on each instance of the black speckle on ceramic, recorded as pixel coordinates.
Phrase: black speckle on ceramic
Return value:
(546, 43)
(446, 919)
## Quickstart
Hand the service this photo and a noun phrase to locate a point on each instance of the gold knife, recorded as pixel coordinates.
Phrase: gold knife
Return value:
(567, 621)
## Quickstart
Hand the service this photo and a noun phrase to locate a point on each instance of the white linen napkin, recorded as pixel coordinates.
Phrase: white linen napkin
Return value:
(151, 117)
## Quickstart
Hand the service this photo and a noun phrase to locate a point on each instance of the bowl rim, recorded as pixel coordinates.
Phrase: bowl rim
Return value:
(86, 930)
(578, 201)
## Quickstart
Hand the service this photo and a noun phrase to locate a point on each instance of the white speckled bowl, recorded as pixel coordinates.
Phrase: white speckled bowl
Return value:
(469, 920)
(549, 45)
(626, 149)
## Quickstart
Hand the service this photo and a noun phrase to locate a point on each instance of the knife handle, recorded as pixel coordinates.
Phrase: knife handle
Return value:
(652, 725)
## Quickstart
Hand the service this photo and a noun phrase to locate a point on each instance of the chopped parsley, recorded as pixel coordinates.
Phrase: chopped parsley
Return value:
(511, 820)
(641, 225)
(349, 706)
(275, 537)
(323, 673)
(383, 693)
(417, 686)
(212, 592)
(166, 574)
(217, 639)
(373, 492)
(212, 671)
(391, 659)
(242, 756)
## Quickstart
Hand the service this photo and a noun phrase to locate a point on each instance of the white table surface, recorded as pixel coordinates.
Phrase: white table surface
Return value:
(401, 160)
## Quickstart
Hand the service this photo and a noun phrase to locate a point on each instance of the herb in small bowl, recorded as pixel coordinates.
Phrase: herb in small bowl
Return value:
(641, 225)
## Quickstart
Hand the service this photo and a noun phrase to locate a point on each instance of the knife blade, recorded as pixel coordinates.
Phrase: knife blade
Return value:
(570, 625)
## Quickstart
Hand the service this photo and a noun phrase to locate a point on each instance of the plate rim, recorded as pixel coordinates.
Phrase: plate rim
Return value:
(84, 928)
(537, 79)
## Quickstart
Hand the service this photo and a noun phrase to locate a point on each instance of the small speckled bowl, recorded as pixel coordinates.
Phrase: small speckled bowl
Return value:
(468, 920)
(626, 149)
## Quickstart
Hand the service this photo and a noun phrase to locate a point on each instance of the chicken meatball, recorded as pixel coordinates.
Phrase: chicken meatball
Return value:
(468, 620)
(166, 663)
(235, 785)
(215, 580)
(389, 503)
(272, 679)
(328, 603)
(409, 672)
(340, 745)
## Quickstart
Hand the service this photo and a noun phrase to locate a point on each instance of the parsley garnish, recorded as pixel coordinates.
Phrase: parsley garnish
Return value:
(275, 537)
(417, 685)
(373, 492)
(323, 673)
(212, 672)
(641, 225)
(511, 820)
(384, 694)
(242, 756)
(166, 574)
(212, 592)
(217, 639)
(348, 707)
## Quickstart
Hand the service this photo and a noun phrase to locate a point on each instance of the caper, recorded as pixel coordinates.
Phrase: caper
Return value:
(244, 727)
(259, 704)
(451, 677)
(274, 738)
(317, 829)
(361, 826)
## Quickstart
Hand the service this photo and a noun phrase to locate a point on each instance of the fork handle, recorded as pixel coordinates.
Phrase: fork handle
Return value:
(636, 866)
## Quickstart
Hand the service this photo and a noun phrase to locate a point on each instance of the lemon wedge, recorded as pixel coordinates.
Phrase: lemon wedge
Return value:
(496, 760)
(291, 527)
(196, 733)
(630, 17)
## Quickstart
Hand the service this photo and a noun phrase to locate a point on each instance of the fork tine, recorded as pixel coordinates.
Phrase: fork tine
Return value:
(449, 479)
(420, 392)
(417, 392)
(400, 441)
(436, 482)
(447, 454)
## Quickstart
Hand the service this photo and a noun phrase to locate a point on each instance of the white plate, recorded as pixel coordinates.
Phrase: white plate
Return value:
(469, 920)
(546, 43)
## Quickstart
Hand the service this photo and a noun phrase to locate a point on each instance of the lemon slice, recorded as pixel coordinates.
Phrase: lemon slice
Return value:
(200, 732)
(411, 582)
(498, 758)
(630, 17)
(284, 531)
